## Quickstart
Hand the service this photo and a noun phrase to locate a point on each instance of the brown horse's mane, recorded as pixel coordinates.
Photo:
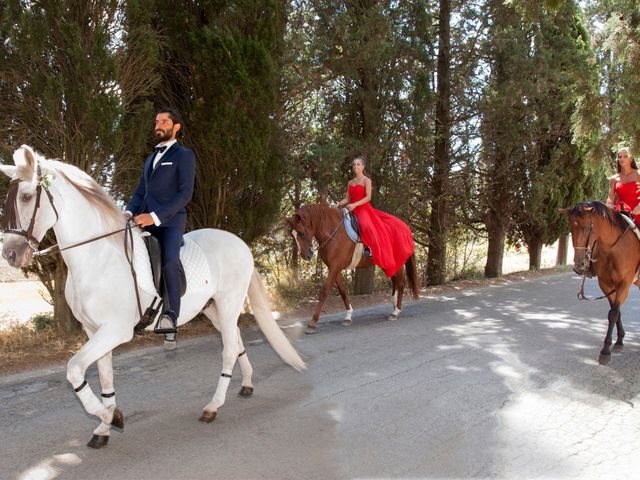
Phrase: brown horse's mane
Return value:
(318, 215)
(614, 217)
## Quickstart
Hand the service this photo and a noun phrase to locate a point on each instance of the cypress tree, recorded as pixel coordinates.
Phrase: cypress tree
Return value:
(58, 93)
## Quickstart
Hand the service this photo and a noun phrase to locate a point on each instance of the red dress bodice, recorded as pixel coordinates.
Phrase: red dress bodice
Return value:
(388, 237)
(627, 194)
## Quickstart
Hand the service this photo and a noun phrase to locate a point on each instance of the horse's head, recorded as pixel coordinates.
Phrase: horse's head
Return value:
(302, 233)
(28, 214)
(584, 234)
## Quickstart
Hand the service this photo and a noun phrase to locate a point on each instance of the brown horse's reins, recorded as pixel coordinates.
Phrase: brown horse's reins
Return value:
(590, 260)
(331, 235)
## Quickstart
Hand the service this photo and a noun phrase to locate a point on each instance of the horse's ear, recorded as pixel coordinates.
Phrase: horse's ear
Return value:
(25, 159)
(290, 221)
(564, 211)
(8, 170)
(588, 209)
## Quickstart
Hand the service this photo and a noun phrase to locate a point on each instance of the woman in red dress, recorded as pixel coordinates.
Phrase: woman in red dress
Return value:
(624, 191)
(388, 237)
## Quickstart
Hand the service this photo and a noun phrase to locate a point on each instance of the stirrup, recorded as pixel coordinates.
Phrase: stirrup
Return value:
(163, 330)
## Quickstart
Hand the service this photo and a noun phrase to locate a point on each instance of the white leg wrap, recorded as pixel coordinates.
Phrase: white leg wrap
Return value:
(220, 395)
(92, 405)
(102, 430)
(349, 313)
(396, 311)
(109, 401)
(247, 370)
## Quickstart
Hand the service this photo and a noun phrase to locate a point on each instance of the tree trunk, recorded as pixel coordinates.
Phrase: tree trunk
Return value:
(535, 253)
(436, 262)
(295, 257)
(495, 252)
(363, 280)
(64, 319)
(563, 246)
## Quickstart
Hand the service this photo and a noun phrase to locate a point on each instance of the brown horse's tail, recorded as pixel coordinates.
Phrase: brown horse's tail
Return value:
(412, 275)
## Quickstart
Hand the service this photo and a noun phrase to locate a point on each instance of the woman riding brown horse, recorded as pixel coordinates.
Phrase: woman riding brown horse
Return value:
(336, 249)
(602, 241)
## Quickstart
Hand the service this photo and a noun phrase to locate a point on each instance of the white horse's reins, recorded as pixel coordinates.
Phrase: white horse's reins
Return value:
(34, 243)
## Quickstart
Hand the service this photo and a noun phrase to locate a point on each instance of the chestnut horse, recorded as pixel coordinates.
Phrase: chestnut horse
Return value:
(604, 245)
(324, 223)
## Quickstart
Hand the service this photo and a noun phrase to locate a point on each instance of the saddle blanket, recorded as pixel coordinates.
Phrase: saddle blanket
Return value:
(632, 225)
(193, 260)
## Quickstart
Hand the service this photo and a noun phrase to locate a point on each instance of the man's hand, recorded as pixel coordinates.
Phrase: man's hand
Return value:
(143, 220)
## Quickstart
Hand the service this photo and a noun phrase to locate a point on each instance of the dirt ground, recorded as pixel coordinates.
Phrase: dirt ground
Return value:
(20, 356)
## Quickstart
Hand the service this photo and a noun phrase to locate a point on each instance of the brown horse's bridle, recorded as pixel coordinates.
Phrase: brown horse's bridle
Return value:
(589, 249)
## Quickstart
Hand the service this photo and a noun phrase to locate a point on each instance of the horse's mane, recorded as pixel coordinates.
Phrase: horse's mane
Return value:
(91, 191)
(614, 217)
(318, 214)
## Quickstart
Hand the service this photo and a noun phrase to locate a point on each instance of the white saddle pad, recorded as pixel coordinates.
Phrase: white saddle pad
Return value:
(193, 260)
(632, 225)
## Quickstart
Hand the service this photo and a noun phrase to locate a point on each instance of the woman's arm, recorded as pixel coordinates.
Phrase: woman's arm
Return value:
(366, 199)
(612, 191)
(345, 200)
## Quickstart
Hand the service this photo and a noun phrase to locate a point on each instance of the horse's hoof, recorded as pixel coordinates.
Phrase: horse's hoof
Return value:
(604, 359)
(118, 419)
(98, 441)
(169, 346)
(618, 348)
(392, 317)
(346, 322)
(245, 391)
(311, 329)
(208, 417)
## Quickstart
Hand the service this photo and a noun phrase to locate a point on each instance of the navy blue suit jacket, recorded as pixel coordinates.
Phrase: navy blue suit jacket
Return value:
(168, 188)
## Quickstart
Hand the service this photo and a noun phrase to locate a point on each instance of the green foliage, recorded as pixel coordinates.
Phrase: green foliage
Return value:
(219, 64)
(43, 321)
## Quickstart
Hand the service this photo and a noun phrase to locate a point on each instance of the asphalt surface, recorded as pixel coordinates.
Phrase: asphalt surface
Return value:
(494, 382)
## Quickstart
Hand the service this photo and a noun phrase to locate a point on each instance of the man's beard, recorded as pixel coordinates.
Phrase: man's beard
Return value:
(163, 136)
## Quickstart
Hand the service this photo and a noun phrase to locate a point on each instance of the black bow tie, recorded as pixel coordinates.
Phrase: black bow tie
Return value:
(160, 149)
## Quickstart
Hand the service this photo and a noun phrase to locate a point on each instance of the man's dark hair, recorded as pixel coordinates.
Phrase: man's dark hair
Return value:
(174, 114)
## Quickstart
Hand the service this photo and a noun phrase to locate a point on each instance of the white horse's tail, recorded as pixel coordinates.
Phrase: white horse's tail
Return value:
(276, 337)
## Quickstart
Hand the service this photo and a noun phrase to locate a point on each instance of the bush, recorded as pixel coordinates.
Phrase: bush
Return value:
(42, 322)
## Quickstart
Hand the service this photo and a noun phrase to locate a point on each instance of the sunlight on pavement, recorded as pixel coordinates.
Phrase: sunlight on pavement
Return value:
(48, 469)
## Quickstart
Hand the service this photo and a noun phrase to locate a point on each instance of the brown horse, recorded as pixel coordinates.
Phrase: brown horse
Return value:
(604, 246)
(324, 223)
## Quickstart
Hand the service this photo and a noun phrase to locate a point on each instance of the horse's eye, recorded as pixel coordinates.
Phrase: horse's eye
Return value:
(301, 234)
(26, 197)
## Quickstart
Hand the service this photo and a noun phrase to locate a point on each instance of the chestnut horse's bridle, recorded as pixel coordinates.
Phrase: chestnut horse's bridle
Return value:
(589, 249)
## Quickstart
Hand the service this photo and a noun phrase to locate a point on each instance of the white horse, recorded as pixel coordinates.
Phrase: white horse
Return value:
(100, 286)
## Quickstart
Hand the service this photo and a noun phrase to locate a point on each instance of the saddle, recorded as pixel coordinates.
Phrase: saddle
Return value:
(155, 259)
(352, 228)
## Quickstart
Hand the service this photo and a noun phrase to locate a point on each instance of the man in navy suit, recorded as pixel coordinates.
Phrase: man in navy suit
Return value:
(158, 204)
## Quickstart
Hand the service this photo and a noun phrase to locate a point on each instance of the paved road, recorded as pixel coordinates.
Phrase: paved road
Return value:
(496, 382)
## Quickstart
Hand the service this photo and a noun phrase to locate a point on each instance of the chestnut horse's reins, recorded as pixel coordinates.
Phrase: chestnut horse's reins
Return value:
(331, 235)
(581, 295)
